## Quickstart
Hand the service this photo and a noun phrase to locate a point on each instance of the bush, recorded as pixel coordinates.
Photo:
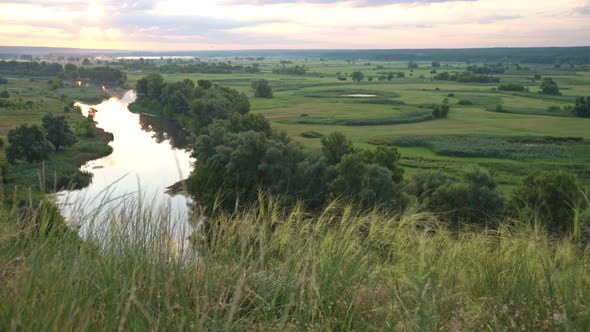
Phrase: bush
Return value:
(311, 134)
(552, 195)
(4, 94)
(29, 143)
(464, 102)
(550, 87)
(582, 108)
(262, 89)
(512, 87)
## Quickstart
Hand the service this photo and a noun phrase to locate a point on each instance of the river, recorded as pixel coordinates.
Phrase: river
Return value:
(129, 186)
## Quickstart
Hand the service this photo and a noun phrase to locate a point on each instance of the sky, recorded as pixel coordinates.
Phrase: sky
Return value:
(293, 24)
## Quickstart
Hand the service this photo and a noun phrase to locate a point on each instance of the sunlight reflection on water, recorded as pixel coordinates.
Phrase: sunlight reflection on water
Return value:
(133, 179)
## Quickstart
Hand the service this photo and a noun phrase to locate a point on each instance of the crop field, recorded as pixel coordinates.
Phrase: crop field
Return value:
(393, 110)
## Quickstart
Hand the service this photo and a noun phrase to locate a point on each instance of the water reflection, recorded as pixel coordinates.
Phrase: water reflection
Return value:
(164, 129)
(146, 159)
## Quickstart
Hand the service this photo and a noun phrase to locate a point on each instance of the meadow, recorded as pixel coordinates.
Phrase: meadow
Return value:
(319, 102)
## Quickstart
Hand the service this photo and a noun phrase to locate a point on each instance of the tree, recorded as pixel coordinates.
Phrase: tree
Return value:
(58, 131)
(357, 76)
(29, 143)
(435, 64)
(582, 108)
(4, 94)
(388, 157)
(336, 145)
(204, 84)
(441, 111)
(549, 87)
(475, 198)
(86, 62)
(262, 89)
(412, 65)
(552, 195)
(3, 81)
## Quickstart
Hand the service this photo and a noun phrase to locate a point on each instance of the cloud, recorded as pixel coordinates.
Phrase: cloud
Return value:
(496, 18)
(352, 3)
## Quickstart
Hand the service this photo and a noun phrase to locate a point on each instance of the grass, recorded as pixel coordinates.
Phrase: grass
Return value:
(266, 268)
(399, 118)
(509, 147)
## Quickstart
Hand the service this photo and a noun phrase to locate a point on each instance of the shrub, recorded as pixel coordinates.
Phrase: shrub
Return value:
(262, 89)
(464, 102)
(549, 87)
(512, 87)
(552, 195)
(311, 134)
(582, 108)
(28, 142)
(4, 94)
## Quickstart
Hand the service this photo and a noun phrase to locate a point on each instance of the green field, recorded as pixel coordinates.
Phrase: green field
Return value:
(320, 103)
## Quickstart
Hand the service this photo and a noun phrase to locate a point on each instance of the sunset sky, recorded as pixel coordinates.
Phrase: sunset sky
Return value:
(300, 24)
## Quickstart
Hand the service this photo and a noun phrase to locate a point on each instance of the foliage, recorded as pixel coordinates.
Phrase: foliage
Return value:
(262, 89)
(295, 70)
(465, 102)
(549, 87)
(357, 76)
(336, 145)
(58, 131)
(3, 81)
(487, 69)
(442, 110)
(512, 87)
(196, 107)
(582, 108)
(55, 84)
(511, 147)
(474, 198)
(311, 134)
(98, 75)
(553, 195)
(4, 94)
(5, 172)
(29, 143)
(466, 77)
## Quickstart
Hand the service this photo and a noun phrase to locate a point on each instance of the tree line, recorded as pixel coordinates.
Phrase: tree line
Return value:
(99, 75)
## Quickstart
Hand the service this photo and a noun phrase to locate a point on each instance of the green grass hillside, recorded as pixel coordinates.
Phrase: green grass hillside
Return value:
(271, 269)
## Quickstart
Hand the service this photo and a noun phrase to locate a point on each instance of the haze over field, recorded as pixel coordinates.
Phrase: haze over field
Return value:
(300, 24)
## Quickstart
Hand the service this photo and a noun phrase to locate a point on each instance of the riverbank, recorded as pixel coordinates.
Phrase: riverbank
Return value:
(61, 170)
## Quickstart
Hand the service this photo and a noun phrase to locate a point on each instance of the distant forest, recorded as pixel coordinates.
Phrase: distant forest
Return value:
(539, 55)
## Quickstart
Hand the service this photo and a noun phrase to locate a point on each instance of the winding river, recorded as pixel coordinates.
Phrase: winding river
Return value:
(130, 184)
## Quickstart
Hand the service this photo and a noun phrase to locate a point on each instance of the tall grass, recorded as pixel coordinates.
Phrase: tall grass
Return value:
(269, 268)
